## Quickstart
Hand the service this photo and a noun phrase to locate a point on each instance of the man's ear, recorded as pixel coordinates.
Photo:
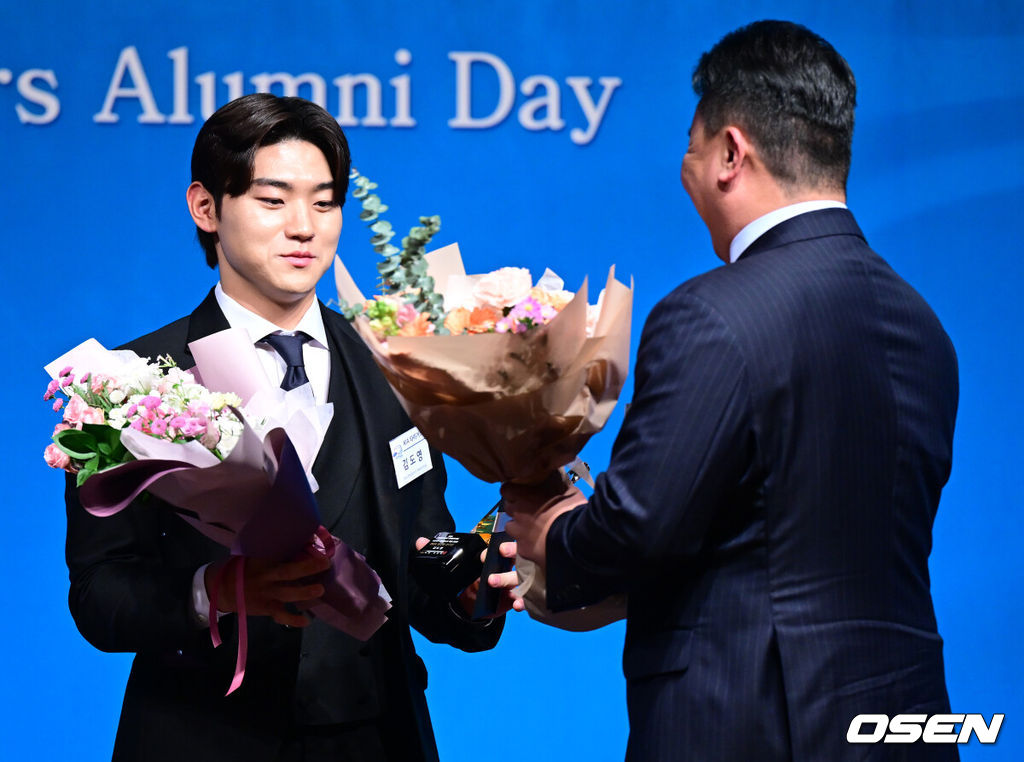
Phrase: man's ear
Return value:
(202, 207)
(733, 154)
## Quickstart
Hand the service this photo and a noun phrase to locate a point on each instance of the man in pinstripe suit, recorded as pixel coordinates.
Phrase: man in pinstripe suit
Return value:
(769, 503)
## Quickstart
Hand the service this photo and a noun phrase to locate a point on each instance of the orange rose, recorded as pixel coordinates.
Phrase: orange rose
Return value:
(482, 319)
(421, 326)
(456, 321)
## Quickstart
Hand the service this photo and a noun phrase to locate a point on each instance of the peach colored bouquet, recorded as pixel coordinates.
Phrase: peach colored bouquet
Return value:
(508, 376)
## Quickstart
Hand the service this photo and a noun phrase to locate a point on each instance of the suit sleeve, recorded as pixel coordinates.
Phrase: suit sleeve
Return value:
(126, 592)
(435, 618)
(685, 443)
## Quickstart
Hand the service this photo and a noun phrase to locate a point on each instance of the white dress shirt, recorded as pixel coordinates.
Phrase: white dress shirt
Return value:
(766, 222)
(315, 355)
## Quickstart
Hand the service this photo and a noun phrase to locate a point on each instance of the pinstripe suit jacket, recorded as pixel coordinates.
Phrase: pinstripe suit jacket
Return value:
(769, 505)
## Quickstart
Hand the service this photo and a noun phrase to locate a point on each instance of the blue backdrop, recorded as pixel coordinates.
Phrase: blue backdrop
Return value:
(543, 134)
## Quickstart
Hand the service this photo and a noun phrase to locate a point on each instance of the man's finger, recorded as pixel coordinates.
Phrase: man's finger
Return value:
(508, 549)
(295, 593)
(292, 570)
(503, 579)
(287, 618)
(421, 543)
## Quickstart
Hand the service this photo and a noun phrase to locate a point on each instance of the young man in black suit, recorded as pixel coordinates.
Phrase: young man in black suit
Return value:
(769, 503)
(270, 176)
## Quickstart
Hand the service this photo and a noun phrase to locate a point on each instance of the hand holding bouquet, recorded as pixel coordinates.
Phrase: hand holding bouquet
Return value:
(509, 376)
(236, 467)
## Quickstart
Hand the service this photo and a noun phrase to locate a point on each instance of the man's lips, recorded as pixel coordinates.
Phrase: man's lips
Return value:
(299, 258)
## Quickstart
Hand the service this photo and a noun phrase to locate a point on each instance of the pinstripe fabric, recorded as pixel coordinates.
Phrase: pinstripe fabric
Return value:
(769, 506)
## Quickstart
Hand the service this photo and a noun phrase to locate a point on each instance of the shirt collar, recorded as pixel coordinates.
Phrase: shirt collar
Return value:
(766, 222)
(312, 323)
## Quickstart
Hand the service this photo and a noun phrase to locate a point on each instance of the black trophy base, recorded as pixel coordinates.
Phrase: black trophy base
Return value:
(449, 563)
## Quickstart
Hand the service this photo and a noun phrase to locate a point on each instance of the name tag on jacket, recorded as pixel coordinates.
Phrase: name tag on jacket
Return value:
(410, 456)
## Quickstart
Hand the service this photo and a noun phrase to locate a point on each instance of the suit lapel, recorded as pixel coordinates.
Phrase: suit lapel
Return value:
(206, 319)
(343, 452)
(388, 514)
(819, 224)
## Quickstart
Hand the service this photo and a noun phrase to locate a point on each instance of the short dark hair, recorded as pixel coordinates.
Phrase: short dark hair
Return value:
(790, 92)
(225, 149)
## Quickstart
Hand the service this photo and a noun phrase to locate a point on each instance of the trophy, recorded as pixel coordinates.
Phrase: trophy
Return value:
(450, 562)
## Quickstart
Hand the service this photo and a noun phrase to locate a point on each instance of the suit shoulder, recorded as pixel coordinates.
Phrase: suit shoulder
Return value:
(166, 340)
(709, 289)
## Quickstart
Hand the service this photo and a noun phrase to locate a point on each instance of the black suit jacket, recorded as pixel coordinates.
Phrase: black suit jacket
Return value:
(131, 580)
(769, 506)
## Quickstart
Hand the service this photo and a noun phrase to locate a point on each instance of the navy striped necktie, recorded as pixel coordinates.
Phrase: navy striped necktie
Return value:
(290, 350)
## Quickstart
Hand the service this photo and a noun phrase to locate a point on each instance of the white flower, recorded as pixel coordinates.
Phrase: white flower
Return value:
(117, 396)
(220, 400)
(504, 287)
(117, 417)
(230, 431)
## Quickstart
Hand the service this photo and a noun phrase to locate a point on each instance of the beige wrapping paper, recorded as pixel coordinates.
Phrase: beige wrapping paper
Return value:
(532, 589)
(508, 407)
(512, 407)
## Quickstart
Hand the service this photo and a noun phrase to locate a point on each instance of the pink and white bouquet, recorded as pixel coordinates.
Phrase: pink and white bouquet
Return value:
(221, 444)
(154, 398)
(509, 376)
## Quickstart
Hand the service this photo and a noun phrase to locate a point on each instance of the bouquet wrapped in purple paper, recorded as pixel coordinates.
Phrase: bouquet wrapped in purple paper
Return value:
(229, 451)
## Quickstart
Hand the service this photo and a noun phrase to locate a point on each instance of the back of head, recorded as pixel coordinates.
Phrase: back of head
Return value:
(225, 149)
(790, 92)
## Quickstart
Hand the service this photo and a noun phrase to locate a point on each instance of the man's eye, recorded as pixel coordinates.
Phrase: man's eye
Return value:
(272, 201)
(325, 205)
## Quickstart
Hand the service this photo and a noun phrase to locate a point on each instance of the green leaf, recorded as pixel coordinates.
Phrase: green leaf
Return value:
(79, 445)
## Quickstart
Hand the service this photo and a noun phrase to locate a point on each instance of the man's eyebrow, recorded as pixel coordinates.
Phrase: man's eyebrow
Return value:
(283, 185)
(272, 183)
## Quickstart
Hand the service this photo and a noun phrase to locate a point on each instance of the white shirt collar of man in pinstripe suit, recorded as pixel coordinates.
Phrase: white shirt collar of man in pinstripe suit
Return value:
(766, 222)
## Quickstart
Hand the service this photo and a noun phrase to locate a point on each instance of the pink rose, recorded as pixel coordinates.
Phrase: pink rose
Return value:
(210, 438)
(93, 415)
(76, 410)
(56, 457)
(503, 287)
(406, 314)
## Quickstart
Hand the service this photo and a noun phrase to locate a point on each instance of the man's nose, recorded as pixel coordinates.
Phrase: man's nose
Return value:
(300, 223)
